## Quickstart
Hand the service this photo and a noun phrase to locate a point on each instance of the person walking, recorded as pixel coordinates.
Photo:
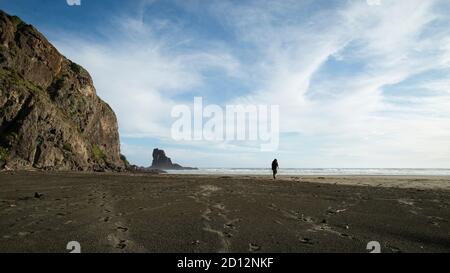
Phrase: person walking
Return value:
(275, 168)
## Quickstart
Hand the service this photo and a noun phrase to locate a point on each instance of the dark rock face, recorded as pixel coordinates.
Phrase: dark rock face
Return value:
(162, 162)
(50, 115)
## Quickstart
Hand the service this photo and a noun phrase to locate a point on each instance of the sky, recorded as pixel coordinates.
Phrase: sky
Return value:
(359, 83)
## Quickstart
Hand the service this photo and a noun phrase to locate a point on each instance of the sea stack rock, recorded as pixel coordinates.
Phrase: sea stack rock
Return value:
(50, 115)
(162, 162)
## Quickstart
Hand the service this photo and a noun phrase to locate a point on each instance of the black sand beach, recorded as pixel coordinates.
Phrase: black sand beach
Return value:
(197, 214)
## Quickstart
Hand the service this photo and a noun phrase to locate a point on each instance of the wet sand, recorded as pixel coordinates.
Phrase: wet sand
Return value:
(198, 214)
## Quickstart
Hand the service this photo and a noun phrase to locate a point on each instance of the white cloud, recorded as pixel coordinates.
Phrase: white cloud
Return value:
(392, 41)
(139, 74)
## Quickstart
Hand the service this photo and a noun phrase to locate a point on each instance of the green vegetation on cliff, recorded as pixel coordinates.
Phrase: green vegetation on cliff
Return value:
(75, 67)
(125, 161)
(99, 155)
(3, 155)
(67, 147)
(15, 78)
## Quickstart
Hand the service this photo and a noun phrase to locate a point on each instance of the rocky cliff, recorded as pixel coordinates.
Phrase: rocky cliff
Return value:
(50, 115)
(162, 162)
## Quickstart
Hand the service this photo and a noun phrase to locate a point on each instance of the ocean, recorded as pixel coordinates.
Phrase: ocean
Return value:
(318, 171)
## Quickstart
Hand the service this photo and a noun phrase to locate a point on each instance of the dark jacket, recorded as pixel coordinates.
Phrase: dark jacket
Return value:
(274, 165)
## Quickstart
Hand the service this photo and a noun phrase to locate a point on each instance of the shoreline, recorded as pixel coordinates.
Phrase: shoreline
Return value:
(422, 182)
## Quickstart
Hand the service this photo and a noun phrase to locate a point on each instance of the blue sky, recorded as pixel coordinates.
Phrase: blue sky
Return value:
(358, 85)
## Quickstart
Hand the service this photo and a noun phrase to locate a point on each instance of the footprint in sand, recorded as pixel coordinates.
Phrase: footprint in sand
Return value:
(436, 221)
(406, 202)
(306, 241)
(307, 219)
(122, 229)
(229, 225)
(394, 249)
(104, 219)
(219, 206)
(122, 244)
(208, 189)
(24, 233)
(254, 247)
